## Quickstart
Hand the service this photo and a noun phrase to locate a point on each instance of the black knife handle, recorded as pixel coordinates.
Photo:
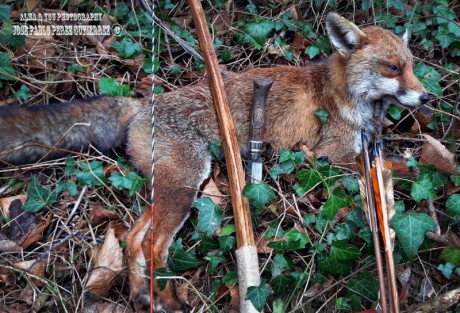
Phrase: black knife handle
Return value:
(261, 88)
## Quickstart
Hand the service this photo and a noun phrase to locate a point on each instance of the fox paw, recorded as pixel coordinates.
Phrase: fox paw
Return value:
(166, 301)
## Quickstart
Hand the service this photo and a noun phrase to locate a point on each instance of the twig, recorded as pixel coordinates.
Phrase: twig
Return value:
(168, 31)
(408, 139)
(434, 215)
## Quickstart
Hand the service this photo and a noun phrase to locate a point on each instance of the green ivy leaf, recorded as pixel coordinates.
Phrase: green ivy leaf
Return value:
(38, 197)
(394, 112)
(227, 243)
(330, 265)
(323, 115)
(312, 51)
(411, 228)
(75, 68)
(227, 230)
(308, 179)
(451, 255)
(337, 200)
(181, 260)
(259, 30)
(131, 181)
(230, 279)
(258, 194)
(343, 251)
(281, 283)
(446, 269)
(423, 188)
(7, 37)
(210, 217)
(278, 306)
(279, 265)
(259, 295)
(207, 244)
(108, 86)
(127, 48)
(455, 179)
(91, 173)
(280, 246)
(444, 38)
(4, 11)
(214, 260)
(429, 77)
(453, 206)
(351, 183)
(67, 185)
(364, 285)
(6, 67)
(162, 272)
(296, 239)
(23, 93)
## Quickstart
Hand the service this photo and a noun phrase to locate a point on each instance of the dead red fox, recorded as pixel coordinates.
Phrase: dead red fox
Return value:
(370, 69)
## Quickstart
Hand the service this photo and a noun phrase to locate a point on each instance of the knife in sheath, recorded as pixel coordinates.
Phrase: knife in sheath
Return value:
(261, 88)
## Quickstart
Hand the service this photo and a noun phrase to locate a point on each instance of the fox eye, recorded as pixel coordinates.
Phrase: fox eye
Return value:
(394, 68)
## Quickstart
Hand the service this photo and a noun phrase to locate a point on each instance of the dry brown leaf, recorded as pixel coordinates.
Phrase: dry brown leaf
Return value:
(105, 307)
(9, 246)
(6, 309)
(262, 244)
(222, 22)
(309, 155)
(108, 265)
(36, 233)
(6, 202)
(317, 288)
(34, 268)
(435, 153)
(100, 215)
(235, 299)
(39, 49)
(7, 279)
(210, 190)
(424, 117)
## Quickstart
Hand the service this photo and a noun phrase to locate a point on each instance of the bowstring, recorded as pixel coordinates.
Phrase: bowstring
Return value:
(152, 171)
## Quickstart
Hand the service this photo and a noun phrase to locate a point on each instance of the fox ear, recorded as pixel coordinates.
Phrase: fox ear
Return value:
(405, 38)
(344, 35)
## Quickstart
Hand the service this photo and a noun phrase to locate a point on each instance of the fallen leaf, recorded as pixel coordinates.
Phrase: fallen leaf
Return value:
(108, 265)
(314, 290)
(7, 279)
(424, 117)
(426, 289)
(36, 233)
(105, 307)
(40, 48)
(222, 22)
(435, 153)
(9, 246)
(6, 309)
(6, 202)
(34, 268)
(21, 221)
(100, 215)
(210, 190)
(262, 244)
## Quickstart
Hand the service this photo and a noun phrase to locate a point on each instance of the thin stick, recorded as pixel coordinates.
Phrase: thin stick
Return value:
(248, 267)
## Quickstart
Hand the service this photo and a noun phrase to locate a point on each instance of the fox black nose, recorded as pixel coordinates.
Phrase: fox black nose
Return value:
(424, 98)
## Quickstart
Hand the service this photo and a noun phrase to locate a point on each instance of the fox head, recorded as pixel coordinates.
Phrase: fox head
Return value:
(378, 64)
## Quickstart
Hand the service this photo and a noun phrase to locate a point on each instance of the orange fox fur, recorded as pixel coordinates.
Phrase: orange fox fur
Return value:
(370, 69)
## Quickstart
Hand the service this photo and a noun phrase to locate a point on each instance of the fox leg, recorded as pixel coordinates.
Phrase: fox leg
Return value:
(178, 175)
